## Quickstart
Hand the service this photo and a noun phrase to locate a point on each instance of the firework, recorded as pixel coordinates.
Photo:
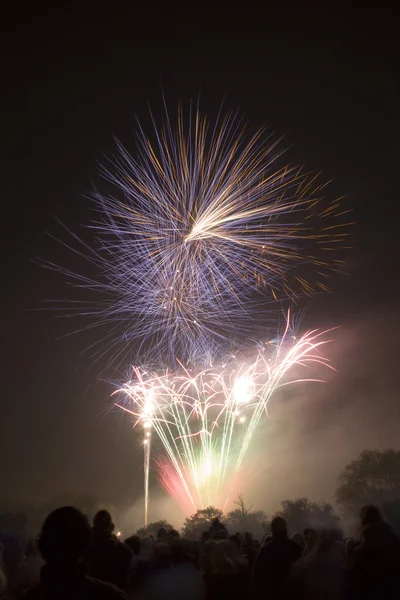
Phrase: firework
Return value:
(202, 224)
(206, 420)
(202, 227)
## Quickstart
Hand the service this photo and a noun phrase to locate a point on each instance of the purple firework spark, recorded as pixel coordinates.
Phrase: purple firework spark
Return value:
(203, 224)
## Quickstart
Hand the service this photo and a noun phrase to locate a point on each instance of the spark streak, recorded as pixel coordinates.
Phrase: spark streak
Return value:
(202, 225)
(206, 421)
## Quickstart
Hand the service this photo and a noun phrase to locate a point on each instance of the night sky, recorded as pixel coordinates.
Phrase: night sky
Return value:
(325, 78)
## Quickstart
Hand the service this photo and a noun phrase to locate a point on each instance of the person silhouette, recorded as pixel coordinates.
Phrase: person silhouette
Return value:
(272, 567)
(374, 563)
(63, 543)
(109, 559)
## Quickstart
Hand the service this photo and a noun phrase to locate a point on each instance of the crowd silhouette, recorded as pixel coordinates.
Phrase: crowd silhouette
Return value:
(71, 559)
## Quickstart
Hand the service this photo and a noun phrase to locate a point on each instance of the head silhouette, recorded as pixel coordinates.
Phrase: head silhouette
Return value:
(370, 514)
(102, 522)
(64, 537)
(278, 527)
(162, 533)
(134, 544)
(173, 533)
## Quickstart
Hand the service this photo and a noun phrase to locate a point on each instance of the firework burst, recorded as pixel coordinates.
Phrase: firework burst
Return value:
(205, 420)
(202, 225)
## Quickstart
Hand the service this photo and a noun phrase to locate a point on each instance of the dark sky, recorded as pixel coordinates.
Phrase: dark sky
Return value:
(325, 77)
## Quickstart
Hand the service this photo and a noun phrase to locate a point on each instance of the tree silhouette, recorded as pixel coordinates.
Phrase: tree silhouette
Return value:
(196, 524)
(302, 513)
(372, 478)
(242, 506)
(152, 528)
(243, 519)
